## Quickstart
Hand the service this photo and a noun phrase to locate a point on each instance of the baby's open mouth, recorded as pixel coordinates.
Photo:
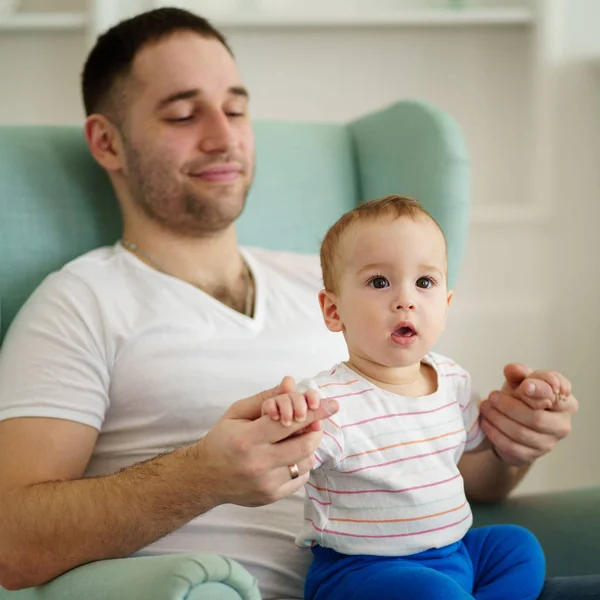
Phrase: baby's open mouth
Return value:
(405, 331)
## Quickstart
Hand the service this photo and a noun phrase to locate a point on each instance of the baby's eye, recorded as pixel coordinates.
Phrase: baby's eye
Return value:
(379, 282)
(425, 283)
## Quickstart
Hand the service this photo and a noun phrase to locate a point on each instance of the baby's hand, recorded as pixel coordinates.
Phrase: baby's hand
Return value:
(291, 407)
(558, 388)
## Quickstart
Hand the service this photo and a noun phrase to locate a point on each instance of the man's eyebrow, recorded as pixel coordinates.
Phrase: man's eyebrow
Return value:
(239, 90)
(236, 90)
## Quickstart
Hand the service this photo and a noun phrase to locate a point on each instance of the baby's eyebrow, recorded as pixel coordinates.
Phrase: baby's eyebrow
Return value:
(372, 267)
(432, 268)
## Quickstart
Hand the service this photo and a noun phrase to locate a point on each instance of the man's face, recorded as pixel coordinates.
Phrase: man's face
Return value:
(187, 137)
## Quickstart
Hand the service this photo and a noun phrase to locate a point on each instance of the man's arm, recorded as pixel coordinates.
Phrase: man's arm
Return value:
(520, 429)
(51, 520)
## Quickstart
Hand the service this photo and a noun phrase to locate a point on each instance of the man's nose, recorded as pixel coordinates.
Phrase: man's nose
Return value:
(217, 136)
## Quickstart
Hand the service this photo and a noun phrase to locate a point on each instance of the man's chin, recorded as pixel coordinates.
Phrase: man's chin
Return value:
(204, 192)
(193, 229)
(210, 219)
(197, 213)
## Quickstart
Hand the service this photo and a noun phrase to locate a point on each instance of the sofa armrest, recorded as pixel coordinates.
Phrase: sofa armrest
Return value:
(168, 577)
(415, 149)
(566, 523)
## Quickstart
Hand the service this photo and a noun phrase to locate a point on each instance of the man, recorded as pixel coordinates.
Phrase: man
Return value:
(115, 375)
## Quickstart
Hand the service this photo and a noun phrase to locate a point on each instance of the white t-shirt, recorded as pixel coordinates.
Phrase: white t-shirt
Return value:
(153, 362)
(386, 482)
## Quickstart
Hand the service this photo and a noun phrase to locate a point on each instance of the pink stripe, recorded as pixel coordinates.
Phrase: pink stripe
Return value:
(461, 375)
(321, 503)
(393, 462)
(352, 394)
(400, 491)
(336, 442)
(467, 405)
(318, 459)
(392, 535)
(393, 415)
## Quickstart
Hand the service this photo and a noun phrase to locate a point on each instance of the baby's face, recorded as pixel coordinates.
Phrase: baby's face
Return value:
(393, 294)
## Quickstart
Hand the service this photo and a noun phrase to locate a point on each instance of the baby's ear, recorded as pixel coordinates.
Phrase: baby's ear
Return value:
(328, 303)
(450, 296)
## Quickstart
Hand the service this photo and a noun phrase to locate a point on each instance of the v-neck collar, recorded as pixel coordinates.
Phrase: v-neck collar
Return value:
(254, 322)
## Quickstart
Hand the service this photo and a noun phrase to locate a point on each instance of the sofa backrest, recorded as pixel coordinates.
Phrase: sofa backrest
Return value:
(56, 202)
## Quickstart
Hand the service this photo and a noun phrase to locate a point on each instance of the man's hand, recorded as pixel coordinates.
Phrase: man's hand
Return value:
(531, 413)
(248, 455)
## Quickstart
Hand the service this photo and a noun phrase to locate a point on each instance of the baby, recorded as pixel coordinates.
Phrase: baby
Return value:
(386, 513)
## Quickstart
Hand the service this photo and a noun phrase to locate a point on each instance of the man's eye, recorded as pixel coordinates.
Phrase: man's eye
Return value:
(234, 114)
(425, 283)
(379, 282)
(180, 119)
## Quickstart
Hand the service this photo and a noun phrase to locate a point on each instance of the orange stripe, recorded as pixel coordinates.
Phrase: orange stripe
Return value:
(401, 444)
(473, 426)
(330, 384)
(312, 485)
(399, 520)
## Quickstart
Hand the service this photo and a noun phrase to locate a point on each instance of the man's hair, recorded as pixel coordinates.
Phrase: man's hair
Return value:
(393, 206)
(111, 59)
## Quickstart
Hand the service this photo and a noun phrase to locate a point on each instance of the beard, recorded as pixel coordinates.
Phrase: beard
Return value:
(185, 208)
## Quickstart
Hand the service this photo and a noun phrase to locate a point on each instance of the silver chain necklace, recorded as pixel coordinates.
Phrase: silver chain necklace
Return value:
(248, 280)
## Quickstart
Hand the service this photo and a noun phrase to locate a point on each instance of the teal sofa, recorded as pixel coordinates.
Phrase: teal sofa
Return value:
(56, 203)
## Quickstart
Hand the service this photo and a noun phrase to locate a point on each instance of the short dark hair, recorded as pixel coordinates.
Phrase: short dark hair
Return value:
(113, 54)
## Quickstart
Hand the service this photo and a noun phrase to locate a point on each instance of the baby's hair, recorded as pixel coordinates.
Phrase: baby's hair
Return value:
(394, 206)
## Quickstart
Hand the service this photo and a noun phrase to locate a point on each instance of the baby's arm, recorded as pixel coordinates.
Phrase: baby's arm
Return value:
(291, 407)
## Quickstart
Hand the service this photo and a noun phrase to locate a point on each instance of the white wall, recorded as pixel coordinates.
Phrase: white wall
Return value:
(42, 86)
(573, 237)
(528, 291)
(479, 75)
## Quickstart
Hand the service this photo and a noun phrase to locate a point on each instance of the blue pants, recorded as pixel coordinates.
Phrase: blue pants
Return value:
(491, 563)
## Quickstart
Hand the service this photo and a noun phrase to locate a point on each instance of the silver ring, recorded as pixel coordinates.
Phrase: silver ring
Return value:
(294, 472)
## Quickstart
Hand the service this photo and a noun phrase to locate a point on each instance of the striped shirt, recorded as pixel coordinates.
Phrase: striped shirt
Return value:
(386, 481)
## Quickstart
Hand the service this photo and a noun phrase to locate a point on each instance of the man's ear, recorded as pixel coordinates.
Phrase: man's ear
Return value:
(104, 141)
(328, 303)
